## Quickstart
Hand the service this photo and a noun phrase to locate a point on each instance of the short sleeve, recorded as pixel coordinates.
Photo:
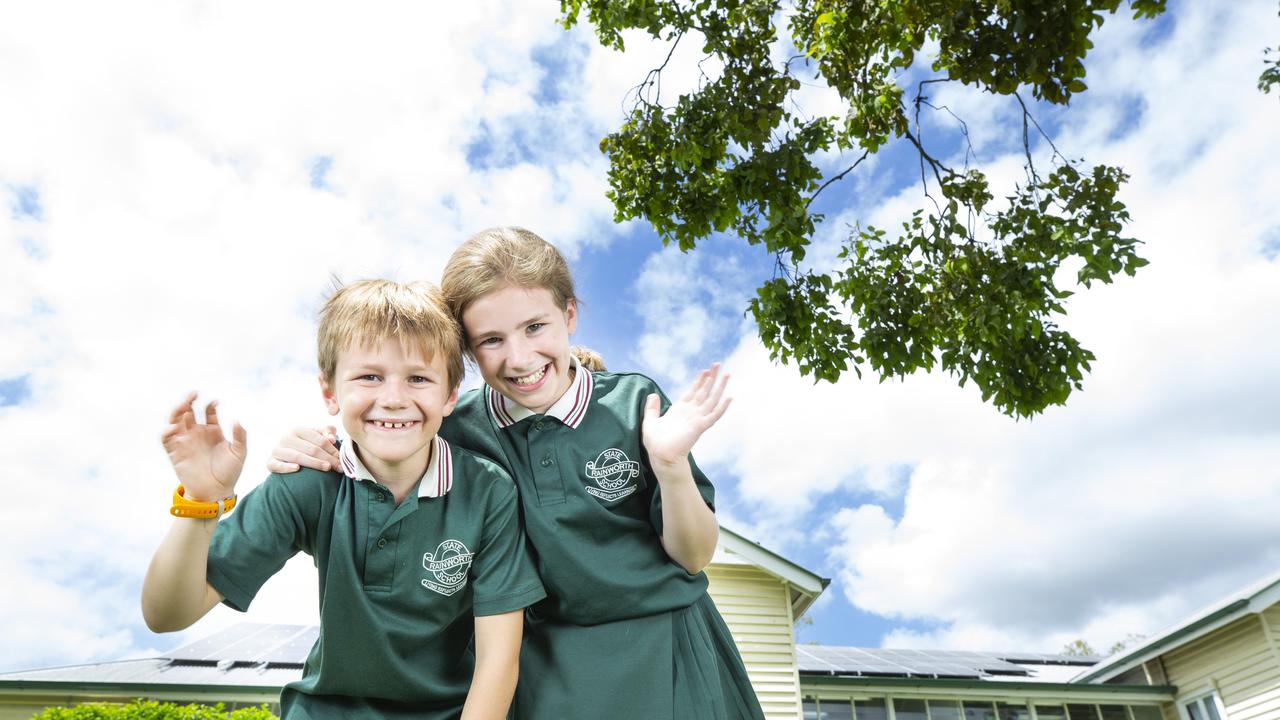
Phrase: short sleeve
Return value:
(503, 574)
(705, 488)
(254, 541)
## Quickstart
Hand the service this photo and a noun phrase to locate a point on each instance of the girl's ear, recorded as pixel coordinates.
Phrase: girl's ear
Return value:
(571, 315)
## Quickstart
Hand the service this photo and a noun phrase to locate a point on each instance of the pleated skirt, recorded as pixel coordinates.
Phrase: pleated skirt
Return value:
(682, 665)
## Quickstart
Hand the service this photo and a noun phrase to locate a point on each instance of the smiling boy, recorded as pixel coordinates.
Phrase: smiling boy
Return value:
(418, 544)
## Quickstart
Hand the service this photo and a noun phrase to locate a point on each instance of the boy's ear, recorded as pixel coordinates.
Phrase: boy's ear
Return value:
(449, 404)
(571, 315)
(331, 400)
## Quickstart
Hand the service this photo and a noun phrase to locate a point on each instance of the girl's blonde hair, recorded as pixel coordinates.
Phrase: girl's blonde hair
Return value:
(498, 257)
(495, 258)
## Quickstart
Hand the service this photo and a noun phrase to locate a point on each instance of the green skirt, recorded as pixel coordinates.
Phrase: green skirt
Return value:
(681, 665)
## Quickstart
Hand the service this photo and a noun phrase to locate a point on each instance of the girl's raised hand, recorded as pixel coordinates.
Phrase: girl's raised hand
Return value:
(207, 464)
(668, 437)
(315, 448)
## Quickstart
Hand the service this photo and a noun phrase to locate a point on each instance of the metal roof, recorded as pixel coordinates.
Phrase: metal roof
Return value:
(937, 664)
(1252, 599)
(245, 654)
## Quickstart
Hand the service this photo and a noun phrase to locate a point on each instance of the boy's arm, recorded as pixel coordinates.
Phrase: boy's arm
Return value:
(497, 666)
(176, 592)
(689, 527)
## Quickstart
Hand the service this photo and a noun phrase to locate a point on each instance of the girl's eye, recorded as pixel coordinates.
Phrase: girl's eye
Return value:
(487, 342)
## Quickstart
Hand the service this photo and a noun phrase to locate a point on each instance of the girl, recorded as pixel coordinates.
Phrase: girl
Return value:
(620, 518)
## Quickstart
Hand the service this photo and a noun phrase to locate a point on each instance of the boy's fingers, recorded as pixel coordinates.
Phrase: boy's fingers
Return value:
(211, 413)
(719, 411)
(714, 396)
(239, 437)
(181, 408)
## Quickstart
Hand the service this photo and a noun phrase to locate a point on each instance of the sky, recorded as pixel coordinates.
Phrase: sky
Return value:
(179, 182)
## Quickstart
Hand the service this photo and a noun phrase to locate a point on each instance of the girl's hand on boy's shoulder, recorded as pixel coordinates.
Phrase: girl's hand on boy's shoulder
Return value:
(668, 437)
(314, 448)
(207, 464)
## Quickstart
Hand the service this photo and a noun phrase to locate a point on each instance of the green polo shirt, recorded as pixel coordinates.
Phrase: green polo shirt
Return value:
(399, 585)
(592, 506)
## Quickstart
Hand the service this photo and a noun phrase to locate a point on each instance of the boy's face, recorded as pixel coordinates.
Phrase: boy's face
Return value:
(392, 401)
(520, 339)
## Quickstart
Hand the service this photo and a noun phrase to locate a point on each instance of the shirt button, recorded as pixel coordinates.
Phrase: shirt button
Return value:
(382, 542)
(547, 461)
(382, 497)
(537, 425)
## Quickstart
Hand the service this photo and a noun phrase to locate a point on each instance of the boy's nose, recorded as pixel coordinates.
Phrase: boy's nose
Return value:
(392, 395)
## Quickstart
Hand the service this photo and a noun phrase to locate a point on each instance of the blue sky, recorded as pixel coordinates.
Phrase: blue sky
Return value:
(172, 213)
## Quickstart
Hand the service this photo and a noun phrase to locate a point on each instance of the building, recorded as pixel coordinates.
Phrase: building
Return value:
(1224, 664)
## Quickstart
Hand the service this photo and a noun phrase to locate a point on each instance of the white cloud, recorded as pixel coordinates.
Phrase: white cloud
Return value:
(181, 244)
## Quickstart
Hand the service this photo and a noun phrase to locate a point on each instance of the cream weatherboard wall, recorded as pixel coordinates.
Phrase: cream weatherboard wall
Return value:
(1240, 662)
(756, 606)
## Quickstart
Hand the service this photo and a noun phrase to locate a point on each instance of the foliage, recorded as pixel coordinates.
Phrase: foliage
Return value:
(1079, 648)
(967, 286)
(152, 710)
(1270, 76)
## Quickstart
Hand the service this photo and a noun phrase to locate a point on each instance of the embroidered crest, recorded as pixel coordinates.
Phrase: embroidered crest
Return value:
(614, 474)
(449, 564)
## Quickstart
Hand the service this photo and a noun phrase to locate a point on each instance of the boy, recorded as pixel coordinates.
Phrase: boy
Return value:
(418, 544)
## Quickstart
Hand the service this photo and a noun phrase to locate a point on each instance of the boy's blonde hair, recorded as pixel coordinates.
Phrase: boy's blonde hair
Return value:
(371, 311)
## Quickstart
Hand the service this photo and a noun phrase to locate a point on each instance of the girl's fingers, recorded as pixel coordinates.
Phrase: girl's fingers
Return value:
(211, 413)
(181, 408)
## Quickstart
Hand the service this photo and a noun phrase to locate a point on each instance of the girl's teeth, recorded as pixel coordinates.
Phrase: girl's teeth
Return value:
(531, 379)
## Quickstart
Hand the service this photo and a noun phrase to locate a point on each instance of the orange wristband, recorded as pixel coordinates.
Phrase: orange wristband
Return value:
(184, 508)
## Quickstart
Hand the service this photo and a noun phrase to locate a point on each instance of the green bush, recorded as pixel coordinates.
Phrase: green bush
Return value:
(152, 710)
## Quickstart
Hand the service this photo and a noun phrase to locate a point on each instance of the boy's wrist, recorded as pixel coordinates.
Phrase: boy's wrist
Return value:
(187, 507)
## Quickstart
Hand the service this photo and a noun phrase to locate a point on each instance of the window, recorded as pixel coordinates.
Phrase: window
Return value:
(1005, 711)
(1082, 712)
(1113, 712)
(1050, 712)
(1203, 708)
(815, 709)
(909, 709)
(873, 709)
(944, 710)
(979, 710)
(1146, 712)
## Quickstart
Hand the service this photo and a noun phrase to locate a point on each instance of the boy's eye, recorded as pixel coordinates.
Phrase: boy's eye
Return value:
(535, 327)
(419, 379)
(368, 378)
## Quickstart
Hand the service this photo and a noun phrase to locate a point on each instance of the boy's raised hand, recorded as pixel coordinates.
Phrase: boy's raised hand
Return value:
(206, 463)
(314, 448)
(668, 437)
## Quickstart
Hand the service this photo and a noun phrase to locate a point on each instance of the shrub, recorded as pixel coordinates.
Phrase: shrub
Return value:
(152, 710)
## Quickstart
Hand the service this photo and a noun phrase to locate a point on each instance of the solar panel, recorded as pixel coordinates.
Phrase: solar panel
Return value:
(889, 662)
(251, 643)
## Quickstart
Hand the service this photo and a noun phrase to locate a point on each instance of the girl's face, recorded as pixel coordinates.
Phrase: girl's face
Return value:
(520, 339)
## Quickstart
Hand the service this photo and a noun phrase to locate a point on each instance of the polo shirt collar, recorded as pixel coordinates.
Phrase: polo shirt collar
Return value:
(570, 409)
(435, 482)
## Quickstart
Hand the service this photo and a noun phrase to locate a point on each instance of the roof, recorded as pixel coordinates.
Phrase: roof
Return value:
(1252, 599)
(805, 585)
(937, 664)
(245, 655)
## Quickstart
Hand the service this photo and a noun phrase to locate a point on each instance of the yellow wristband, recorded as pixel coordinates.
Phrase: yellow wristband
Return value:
(184, 508)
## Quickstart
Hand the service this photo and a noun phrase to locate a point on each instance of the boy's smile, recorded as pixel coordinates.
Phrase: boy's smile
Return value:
(391, 402)
(520, 339)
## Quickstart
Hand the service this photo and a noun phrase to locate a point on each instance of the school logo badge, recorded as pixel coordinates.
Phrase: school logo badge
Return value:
(614, 474)
(449, 564)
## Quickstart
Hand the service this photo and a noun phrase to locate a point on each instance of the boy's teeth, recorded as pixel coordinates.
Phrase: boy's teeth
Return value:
(532, 378)
(391, 425)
